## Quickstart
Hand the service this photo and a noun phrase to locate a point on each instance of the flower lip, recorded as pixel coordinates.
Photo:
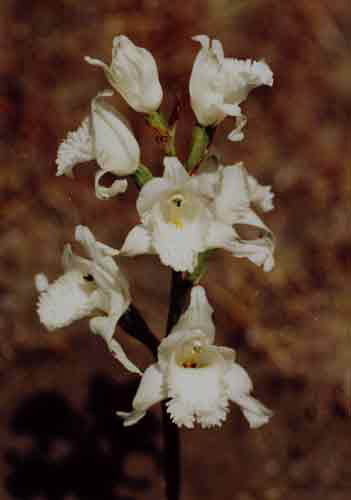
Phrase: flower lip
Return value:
(194, 354)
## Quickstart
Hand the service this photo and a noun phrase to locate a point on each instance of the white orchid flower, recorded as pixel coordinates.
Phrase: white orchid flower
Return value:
(89, 287)
(197, 377)
(219, 84)
(133, 73)
(182, 216)
(105, 136)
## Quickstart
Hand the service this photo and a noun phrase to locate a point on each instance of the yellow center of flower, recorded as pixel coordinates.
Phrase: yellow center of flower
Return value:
(176, 210)
(191, 355)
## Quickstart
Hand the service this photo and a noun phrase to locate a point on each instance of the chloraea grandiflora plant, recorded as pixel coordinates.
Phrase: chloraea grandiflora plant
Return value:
(194, 208)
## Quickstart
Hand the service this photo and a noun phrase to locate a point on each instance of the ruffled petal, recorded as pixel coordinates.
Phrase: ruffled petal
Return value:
(64, 301)
(76, 148)
(197, 394)
(150, 392)
(138, 242)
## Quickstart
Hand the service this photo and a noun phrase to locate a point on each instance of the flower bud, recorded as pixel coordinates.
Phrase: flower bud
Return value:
(133, 73)
(105, 136)
(219, 84)
(115, 147)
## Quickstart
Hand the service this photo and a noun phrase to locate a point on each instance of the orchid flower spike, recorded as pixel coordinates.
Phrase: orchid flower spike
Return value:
(105, 136)
(219, 84)
(89, 287)
(182, 216)
(197, 377)
(133, 73)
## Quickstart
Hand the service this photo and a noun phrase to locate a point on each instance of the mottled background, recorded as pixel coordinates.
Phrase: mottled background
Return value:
(59, 437)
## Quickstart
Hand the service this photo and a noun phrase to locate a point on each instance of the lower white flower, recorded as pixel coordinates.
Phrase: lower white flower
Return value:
(197, 378)
(182, 216)
(105, 136)
(89, 287)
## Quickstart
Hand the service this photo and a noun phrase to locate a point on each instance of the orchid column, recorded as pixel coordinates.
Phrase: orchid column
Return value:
(185, 214)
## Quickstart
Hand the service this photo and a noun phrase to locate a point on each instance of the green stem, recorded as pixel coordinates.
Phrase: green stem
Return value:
(142, 175)
(201, 141)
(166, 133)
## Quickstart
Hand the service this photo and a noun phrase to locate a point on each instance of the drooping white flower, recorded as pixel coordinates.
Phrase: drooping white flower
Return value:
(133, 73)
(89, 287)
(219, 84)
(197, 377)
(182, 216)
(105, 136)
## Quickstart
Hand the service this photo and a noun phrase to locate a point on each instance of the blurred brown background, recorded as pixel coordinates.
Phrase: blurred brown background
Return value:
(59, 437)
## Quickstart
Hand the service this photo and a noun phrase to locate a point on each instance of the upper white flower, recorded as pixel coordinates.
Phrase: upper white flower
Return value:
(219, 84)
(105, 136)
(183, 215)
(197, 377)
(133, 73)
(92, 286)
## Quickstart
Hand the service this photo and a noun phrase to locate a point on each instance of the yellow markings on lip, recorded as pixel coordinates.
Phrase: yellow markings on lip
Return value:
(176, 210)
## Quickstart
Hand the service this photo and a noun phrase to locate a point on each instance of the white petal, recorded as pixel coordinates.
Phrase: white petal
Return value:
(198, 315)
(237, 135)
(260, 195)
(238, 381)
(174, 171)
(259, 251)
(239, 386)
(105, 327)
(41, 282)
(220, 235)
(151, 193)
(138, 242)
(197, 394)
(64, 301)
(96, 62)
(104, 192)
(206, 182)
(150, 392)
(203, 40)
(231, 109)
(115, 147)
(217, 48)
(178, 247)
(232, 207)
(255, 412)
(233, 195)
(76, 148)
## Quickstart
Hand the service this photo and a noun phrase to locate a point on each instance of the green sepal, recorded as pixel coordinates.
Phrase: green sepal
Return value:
(201, 266)
(142, 175)
(201, 138)
(158, 121)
